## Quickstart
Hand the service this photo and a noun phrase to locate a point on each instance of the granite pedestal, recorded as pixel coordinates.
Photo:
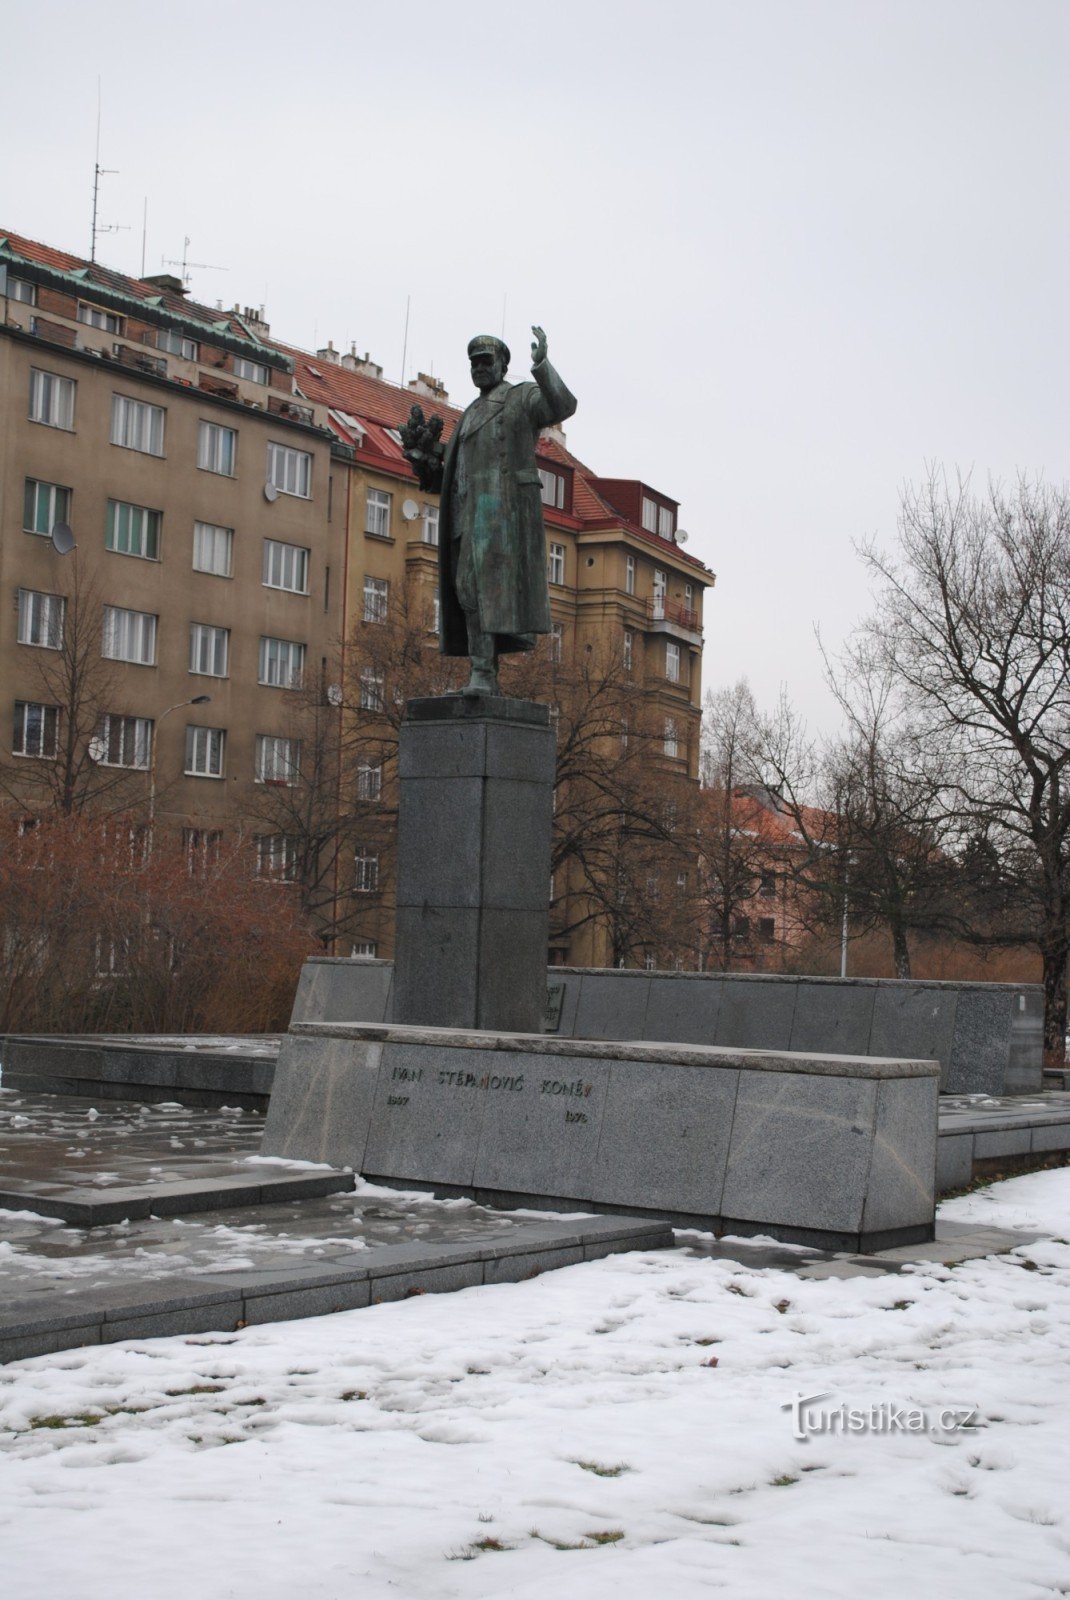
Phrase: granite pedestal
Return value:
(474, 820)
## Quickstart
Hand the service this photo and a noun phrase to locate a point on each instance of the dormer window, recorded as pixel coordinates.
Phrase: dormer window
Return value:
(553, 488)
(97, 317)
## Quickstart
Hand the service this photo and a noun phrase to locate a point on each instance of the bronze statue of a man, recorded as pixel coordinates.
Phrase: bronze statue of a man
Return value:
(492, 550)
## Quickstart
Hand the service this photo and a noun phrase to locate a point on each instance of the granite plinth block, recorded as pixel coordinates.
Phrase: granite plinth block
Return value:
(981, 1048)
(665, 1136)
(914, 1020)
(609, 1008)
(683, 1009)
(754, 1016)
(322, 1100)
(954, 1162)
(834, 1018)
(902, 1168)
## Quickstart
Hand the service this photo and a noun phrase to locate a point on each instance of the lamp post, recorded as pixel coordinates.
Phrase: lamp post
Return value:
(198, 700)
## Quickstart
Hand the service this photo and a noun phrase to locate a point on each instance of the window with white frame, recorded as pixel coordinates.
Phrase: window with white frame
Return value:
(285, 566)
(213, 549)
(363, 949)
(129, 636)
(135, 425)
(370, 780)
(376, 599)
(217, 448)
(672, 741)
(650, 514)
(555, 564)
(126, 844)
(201, 847)
(209, 650)
(97, 317)
(628, 656)
(276, 857)
(290, 471)
(177, 343)
(372, 689)
(252, 371)
(666, 522)
(43, 505)
(36, 729)
(672, 662)
(557, 642)
(661, 583)
(553, 488)
(113, 955)
(366, 877)
(22, 289)
(41, 619)
(689, 596)
(629, 575)
(205, 749)
(430, 525)
(51, 399)
(132, 530)
(278, 760)
(282, 663)
(127, 741)
(436, 613)
(377, 514)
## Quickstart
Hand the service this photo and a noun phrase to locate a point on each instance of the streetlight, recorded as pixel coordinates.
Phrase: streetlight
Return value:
(198, 700)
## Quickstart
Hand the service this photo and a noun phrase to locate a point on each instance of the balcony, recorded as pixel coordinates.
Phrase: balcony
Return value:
(669, 616)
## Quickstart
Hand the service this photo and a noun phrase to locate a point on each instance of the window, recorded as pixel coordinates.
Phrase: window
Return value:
(36, 729)
(277, 760)
(629, 651)
(282, 663)
(41, 619)
(623, 735)
(201, 847)
(672, 743)
(205, 748)
(377, 514)
(177, 344)
(285, 567)
(661, 583)
(127, 844)
(136, 425)
(766, 929)
(51, 399)
(209, 650)
(217, 448)
(430, 525)
(366, 880)
(689, 596)
(22, 289)
(290, 470)
(555, 565)
(648, 961)
(436, 614)
(665, 522)
(363, 949)
(370, 780)
(553, 488)
(43, 505)
(212, 549)
(629, 575)
(129, 636)
(557, 641)
(372, 689)
(376, 599)
(669, 816)
(650, 514)
(254, 371)
(767, 883)
(276, 857)
(97, 317)
(127, 741)
(741, 927)
(672, 662)
(132, 530)
(113, 955)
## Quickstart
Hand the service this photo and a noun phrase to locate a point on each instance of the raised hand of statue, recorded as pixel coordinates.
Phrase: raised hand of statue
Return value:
(421, 442)
(538, 346)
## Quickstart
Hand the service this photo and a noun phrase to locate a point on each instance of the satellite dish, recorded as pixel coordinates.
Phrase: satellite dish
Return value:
(334, 694)
(271, 494)
(62, 539)
(410, 510)
(681, 536)
(97, 748)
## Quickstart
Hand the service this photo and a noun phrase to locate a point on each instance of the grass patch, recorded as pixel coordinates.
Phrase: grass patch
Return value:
(195, 1388)
(601, 1471)
(607, 1536)
(354, 1394)
(77, 1419)
(783, 1481)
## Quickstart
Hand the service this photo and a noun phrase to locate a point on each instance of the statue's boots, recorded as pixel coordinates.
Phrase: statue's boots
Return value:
(484, 653)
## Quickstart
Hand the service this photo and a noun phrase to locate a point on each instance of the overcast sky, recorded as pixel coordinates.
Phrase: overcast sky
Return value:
(786, 251)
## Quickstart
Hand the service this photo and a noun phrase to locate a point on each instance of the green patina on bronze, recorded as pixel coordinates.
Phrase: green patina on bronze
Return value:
(492, 552)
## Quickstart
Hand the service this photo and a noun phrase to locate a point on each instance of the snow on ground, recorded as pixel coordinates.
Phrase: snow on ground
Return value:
(608, 1432)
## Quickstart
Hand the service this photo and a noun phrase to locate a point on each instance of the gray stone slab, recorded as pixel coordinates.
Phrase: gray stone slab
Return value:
(664, 1137)
(511, 977)
(357, 991)
(916, 1020)
(543, 1138)
(517, 821)
(440, 840)
(435, 978)
(1001, 1142)
(570, 999)
(22, 1347)
(182, 1199)
(428, 1112)
(321, 1103)
(800, 1152)
(443, 750)
(445, 1279)
(527, 753)
(834, 1018)
(683, 1009)
(515, 1268)
(901, 1191)
(981, 1045)
(286, 1304)
(755, 1015)
(660, 1237)
(1054, 1136)
(612, 1006)
(954, 1162)
(218, 1318)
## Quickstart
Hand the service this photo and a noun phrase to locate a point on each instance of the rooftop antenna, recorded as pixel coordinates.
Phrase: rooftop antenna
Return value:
(188, 266)
(405, 343)
(505, 302)
(98, 173)
(144, 232)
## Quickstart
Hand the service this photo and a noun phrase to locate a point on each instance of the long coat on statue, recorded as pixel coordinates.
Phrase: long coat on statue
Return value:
(491, 513)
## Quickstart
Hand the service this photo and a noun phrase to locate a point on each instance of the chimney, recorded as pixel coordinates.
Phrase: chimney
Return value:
(364, 364)
(253, 317)
(427, 385)
(329, 353)
(166, 280)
